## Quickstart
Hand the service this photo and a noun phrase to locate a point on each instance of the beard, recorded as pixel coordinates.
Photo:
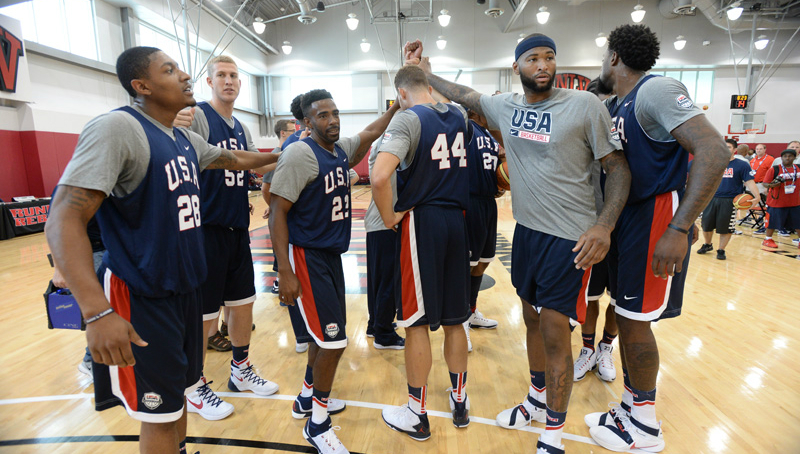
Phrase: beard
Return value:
(604, 87)
(530, 83)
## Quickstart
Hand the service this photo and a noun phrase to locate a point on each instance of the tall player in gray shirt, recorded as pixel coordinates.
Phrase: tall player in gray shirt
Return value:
(552, 137)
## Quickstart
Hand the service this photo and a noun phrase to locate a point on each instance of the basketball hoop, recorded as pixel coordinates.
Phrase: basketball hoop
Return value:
(750, 134)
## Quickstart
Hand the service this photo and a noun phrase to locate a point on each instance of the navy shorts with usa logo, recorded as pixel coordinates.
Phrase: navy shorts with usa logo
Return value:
(634, 290)
(153, 390)
(431, 281)
(482, 220)
(599, 280)
(321, 307)
(230, 265)
(545, 276)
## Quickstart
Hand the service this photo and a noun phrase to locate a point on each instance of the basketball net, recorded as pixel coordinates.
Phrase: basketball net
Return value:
(750, 134)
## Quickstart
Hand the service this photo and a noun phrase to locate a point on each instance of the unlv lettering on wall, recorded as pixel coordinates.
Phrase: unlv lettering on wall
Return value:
(571, 80)
(9, 65)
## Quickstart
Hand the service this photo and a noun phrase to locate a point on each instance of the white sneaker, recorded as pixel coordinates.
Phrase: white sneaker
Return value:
(478, 320)
(403, 419)
(301, 347)
(467, 327)
(207, 404)
(584, 363)
(606, 418)
(543, 448)
(245, 378)
(327, 442)
(520, 416)
(629, 435)
(605, 367)
(85, 367)
(302, 407)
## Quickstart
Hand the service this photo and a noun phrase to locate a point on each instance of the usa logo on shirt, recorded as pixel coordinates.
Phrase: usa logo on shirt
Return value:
(684, 102)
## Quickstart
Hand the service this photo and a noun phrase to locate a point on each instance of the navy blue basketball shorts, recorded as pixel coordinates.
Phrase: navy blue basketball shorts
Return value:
(599, 280)
(169, 367)
(322, 302)
(635, 291)
(230, 265)
(482, 219)
(783, 218)
(545, 275)
(719, 215)
(431, 281)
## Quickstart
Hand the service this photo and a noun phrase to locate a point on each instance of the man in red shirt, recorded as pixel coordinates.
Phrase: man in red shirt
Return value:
(782, 182)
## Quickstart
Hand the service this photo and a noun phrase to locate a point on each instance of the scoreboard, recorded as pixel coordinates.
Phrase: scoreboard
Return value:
(738, 101)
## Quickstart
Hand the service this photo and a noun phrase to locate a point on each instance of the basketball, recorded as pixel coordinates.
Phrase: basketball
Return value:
(742, 201)
(503, 177)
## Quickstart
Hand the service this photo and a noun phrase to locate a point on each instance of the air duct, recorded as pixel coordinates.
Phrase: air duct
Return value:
(712, 10)
(306, 16)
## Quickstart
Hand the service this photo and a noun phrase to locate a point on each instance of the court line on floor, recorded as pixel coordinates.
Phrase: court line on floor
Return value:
(375, 406)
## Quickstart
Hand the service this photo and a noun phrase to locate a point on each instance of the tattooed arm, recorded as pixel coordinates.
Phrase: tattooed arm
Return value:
(594, 244)
(244, 160)
(109, 338)
(461, 94)
(710, 158)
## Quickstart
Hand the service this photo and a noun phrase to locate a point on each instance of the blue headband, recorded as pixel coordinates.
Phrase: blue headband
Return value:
(532, 42)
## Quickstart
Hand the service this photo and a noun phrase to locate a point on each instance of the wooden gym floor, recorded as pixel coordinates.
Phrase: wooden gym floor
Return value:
(729, 377)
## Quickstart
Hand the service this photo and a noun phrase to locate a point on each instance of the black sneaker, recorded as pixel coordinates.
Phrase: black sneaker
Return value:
(720, 255)
(370, 332)
(274, 289)
(705, 249)
(391, 342)
(459, 411)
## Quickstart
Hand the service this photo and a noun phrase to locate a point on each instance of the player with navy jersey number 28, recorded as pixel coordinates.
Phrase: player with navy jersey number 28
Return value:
(310, 224)
(659, 125)
(552, 137)
(141, 176)
(424, 148)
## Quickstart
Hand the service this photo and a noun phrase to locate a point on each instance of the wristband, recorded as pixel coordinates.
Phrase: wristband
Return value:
(98, 316)
(678, 229)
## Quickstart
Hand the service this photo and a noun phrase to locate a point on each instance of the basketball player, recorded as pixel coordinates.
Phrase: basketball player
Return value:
(310, 224)
(424, 148)
(482, 214)
(141, 177)
(552, 136)
(382, 262)
(224, 202)
(589, 358)
(659, 125)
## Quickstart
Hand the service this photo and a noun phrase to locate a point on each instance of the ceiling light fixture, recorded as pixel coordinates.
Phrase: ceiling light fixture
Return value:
(364, 45)
(762, 42)
(543, 15)
(679, 44)
(638, 13)
(441, 42)
(258, 25)
(521, 37)
(601, 40)
(286, 48)
(444, 18)
(352, 22)
(735, 12)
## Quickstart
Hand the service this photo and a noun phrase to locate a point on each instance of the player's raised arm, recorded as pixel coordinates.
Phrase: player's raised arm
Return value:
(371, 133)
(108, 337)
(243, 160)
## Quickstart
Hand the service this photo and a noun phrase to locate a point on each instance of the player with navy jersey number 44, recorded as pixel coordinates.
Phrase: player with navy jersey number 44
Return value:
(659, 125)
(310, 225)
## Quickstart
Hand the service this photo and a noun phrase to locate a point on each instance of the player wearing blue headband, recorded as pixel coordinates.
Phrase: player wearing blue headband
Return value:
(552, 137)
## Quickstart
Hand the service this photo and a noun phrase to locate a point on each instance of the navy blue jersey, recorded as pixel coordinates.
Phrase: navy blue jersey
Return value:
(224, 193)
(296, 136)
(482, 162)
(321, 217)
(735, 175)
(657, 167)
(438, 174)
(153, 234)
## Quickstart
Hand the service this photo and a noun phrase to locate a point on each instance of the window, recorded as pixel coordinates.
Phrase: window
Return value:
(698, 83)
(67, 25)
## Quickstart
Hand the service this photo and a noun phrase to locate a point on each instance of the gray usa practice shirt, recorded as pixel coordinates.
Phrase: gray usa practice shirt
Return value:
(551, 146)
